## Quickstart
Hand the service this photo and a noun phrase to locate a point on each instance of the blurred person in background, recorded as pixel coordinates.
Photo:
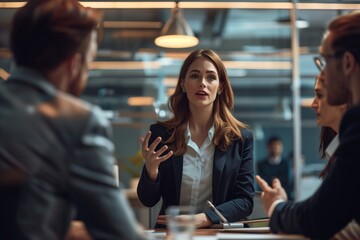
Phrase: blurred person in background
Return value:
(274, 165)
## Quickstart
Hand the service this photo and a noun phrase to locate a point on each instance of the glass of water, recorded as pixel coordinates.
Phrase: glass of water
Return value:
(180, 222)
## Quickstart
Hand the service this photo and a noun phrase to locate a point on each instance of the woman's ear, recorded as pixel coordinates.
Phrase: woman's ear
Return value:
(182, 85)
(220, 89)
(343, 107)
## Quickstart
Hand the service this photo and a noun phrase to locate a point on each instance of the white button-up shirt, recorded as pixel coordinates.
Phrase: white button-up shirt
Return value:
(196, 183)
(331, 148)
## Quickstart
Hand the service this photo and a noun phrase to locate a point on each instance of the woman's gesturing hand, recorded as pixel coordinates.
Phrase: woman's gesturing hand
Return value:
(152, 158)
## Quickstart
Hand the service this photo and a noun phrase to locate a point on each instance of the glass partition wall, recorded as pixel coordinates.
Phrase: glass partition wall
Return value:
(268, 48)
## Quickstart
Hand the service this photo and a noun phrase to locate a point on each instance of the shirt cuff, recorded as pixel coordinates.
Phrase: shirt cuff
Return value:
(273, 205)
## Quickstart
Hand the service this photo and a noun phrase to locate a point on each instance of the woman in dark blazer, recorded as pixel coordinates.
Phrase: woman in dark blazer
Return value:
(202, 152)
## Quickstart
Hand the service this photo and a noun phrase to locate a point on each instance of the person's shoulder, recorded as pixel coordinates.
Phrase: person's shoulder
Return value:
(350, 118)
(247, 134)
(352, 112)
(71, 107)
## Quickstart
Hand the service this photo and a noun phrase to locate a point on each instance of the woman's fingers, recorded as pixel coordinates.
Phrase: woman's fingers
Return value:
(161, 219)
(153, 158)
(153, 146)
(165, 157)
(145, 141)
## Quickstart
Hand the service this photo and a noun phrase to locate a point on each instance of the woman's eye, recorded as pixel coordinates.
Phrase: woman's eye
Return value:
(212, 77)
(194, 76)
(318, 95)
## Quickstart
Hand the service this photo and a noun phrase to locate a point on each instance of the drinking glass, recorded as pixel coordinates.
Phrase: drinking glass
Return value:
(180, 222)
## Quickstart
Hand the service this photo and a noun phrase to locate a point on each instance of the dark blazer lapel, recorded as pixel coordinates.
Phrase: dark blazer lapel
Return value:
(178, 168)
(218, 166)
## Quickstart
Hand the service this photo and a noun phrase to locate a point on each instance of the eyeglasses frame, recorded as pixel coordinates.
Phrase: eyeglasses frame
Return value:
(320, 60)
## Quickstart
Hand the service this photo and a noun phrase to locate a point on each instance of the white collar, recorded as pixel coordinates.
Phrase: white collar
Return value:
(188, 133)
(331, 148)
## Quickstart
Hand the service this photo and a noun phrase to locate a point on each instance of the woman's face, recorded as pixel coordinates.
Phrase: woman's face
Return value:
(201, 83)
(326, 115)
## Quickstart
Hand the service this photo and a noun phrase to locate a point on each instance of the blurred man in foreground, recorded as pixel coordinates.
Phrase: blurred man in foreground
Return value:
(336, 203)
(60, 142)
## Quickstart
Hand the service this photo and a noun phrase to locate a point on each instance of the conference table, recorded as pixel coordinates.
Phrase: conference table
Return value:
(205, 234)
(224, 234)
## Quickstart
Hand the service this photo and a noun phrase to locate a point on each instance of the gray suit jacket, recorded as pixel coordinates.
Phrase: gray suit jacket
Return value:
(63, 146)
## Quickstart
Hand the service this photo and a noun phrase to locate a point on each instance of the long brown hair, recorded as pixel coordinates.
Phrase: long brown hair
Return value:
(227, 127)
(327, 134)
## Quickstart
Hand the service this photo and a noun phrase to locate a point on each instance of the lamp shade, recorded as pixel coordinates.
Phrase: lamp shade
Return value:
(300, 23)
(176, 33)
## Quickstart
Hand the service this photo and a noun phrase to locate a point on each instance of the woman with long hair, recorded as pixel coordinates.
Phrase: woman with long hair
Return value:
(202, 153)
(329, 118)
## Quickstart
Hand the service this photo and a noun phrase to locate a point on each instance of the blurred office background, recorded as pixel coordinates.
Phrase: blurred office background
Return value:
(269, 57)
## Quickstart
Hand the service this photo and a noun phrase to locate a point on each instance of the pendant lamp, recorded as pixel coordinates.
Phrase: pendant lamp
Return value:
(176, 33)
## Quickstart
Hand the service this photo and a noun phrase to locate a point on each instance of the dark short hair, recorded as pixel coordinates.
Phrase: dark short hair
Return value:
(273, 139)
(346, 34)
(44, 33)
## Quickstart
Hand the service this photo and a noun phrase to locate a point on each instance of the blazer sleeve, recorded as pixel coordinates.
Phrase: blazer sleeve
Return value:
(102, 206)
(336, 201)
(236, 191)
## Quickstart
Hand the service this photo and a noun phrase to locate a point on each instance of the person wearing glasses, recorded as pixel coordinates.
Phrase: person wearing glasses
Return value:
(203, 153)
(336, 202)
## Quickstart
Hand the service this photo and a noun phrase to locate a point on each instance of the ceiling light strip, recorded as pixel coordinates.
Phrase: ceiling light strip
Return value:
(306, 102)
(131, 65)
(264, 65)
(11, 4)
(204, 5)
(133, 24)
(234, 5)
(327, 6)
(141, 101)
(128, 5)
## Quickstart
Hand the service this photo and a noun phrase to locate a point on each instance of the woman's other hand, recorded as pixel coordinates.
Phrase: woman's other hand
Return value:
(201, 220)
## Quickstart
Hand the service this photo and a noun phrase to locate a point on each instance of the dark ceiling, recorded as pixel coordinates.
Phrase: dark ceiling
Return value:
(251, 41)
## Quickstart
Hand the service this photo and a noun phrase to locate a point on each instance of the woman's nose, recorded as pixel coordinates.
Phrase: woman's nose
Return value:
(202, 83)
(314, 103)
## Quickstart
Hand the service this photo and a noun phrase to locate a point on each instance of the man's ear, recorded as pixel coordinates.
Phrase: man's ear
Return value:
(74, 65)
(349, 63)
